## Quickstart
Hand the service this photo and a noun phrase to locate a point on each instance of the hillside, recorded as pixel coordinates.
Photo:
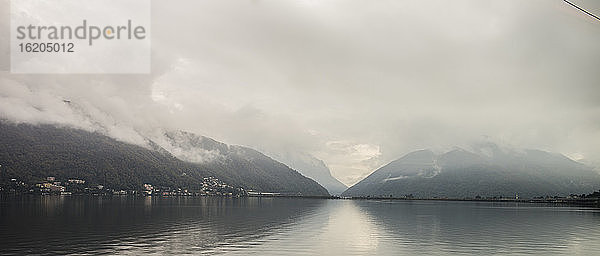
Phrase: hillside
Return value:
(33, 152)
(313, 168)
(486, 171)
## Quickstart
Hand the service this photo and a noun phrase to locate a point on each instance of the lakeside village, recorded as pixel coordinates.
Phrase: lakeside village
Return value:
(210, 186)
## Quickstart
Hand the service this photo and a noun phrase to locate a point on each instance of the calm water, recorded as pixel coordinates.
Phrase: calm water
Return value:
(276, 226)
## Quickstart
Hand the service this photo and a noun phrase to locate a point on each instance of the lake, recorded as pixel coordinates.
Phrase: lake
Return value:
(290, 226)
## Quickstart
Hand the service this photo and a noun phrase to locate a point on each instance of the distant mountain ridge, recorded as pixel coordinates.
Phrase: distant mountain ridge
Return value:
(487, 170)
(313, 168)
(194, 148)
(181, 144)
(33, 152)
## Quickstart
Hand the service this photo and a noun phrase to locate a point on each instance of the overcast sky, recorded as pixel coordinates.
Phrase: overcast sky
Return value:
(356, 83)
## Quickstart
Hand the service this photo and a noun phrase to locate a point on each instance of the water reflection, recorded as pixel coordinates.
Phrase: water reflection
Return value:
(451, 228)
(435, 228)
(276, 226)
(337, 228)
(118, 225)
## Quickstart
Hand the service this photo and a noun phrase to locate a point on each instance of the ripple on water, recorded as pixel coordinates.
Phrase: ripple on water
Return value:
(284, 226)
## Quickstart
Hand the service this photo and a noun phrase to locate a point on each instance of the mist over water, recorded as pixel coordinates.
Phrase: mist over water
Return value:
(275, 226)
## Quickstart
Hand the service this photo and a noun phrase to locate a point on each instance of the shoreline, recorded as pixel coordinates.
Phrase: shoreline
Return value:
(589, 202)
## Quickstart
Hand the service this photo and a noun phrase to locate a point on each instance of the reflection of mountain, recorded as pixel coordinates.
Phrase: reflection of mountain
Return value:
(276, 226)
(481, 228)
(487, 170)
(313, 168)
(337, 227)
(143, 225)
(33, 152)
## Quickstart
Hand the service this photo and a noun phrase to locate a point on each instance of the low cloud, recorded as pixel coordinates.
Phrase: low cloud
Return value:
(356, 83)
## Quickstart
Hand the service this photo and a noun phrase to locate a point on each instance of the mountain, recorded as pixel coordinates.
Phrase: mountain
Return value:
(33, 152)
(194, 148)
(487, 171)
(313, 168)
(593, 164)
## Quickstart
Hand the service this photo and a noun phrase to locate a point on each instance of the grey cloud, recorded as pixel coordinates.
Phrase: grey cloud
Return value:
(357, 83)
